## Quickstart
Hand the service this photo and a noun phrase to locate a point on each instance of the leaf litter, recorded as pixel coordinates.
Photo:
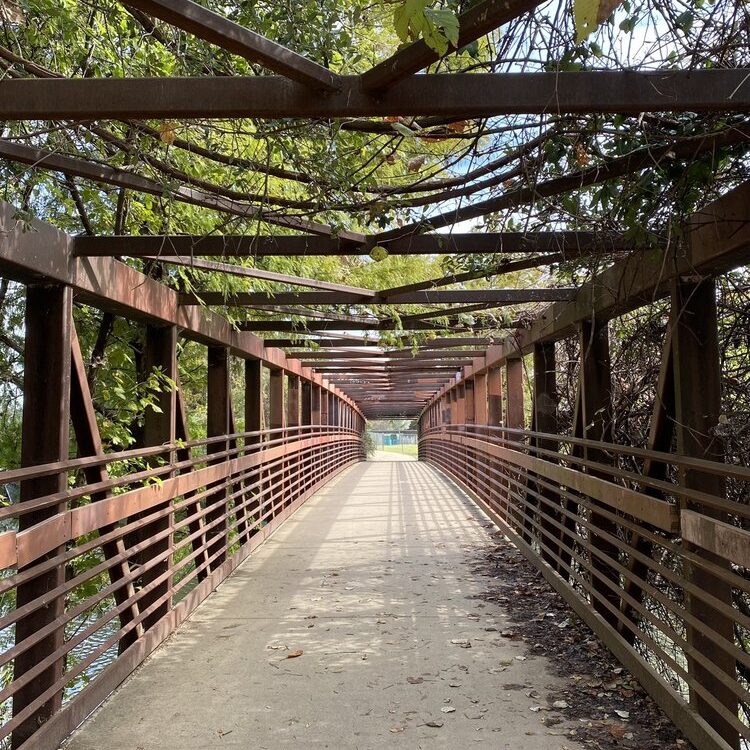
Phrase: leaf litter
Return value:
(610, 709)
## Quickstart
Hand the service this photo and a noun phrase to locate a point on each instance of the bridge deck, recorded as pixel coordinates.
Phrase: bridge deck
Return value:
(372, 582)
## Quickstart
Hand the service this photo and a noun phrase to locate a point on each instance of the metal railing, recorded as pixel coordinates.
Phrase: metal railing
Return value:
(657, 570)
(146, 535)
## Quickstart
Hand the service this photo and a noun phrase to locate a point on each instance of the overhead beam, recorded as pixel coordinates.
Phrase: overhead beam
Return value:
(259, 273)
(213, 28)
(292, 326)
(34, 251)
(362, 342)
(474, 23)
(421, 297)
(717, 240)
(384, 356)
(466, 95)
(188, 246)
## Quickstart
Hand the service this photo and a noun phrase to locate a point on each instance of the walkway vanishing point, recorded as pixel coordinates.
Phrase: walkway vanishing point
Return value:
(371, 583)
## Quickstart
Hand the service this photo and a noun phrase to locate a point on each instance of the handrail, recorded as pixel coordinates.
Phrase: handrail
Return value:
(627, 552)
(160, 539)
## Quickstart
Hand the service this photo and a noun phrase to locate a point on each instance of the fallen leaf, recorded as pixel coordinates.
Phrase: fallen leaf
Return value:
(294, 654)
(447, 709)
(462, 642)
(168, 132)
(436, 724)
(623, 714)
(397, 729)
(560, 704)
(414, 680)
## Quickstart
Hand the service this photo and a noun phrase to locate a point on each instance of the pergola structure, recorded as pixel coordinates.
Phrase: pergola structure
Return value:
(437, 350)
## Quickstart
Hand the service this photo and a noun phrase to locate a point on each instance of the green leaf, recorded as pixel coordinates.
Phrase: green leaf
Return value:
(584, 14)
(446, 21)
(409, 19)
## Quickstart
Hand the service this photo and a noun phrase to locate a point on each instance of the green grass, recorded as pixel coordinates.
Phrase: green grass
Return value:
(407, 450)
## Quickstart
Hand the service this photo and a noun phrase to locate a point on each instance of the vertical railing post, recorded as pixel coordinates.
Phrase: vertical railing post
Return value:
(697, 383)
(293, 400)
(545, 420)
(253, 400)
(470, 419)
(292, 421)
(315, 405)
(276, 396)
(324, 420)
(469, 408)
(254, 423)
(159, 354)
(306, 405)
(278, 422)
(44, 439)
(596, 416)
(515, 419)
(494, 396)
(306, 420)
(217, 424)
(481, 413)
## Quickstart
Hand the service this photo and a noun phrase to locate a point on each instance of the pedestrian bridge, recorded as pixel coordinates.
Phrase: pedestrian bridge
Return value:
(260, 583)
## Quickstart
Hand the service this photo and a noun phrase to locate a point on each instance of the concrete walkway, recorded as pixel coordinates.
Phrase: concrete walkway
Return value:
(349, 628)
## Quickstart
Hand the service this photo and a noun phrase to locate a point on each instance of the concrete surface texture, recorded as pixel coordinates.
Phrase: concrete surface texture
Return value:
(355, 626)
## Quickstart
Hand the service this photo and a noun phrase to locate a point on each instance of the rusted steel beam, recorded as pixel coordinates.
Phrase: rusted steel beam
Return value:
(196, 526)
(717, 239)
(190, 246)
(545, 420)
(159, 428)
(218, 416)
(479, 20)
(480, 400)
(44, 438)
(276, 398)
(494, 396)
(306, 403)
(210, 26)
(361, 342)
(258, 273)
(596, 421)
(334, 372)
(312, 326)
(385, 356)
(89, 443)
(424, 297)
(465, 95)
(697, 391)
(34, 250)
(253, 397)
(451, 313)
